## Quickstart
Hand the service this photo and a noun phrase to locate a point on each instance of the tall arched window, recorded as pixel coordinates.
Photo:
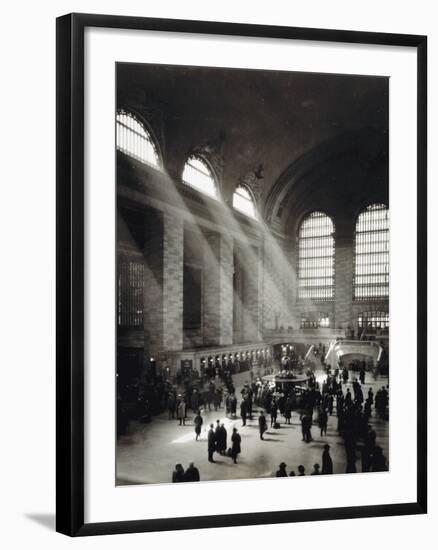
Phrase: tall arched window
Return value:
(244, 202)
(134, 140)
(316, 258)
(199, 175)
(371, 254)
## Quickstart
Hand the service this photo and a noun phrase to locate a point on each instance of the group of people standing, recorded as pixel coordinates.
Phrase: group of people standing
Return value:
(217, 442)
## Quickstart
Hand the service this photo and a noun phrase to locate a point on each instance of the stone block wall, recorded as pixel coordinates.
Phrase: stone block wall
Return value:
(218, 289)
(251, 299)
(163, 285)
(344, 258)
(173, 249)
(278, 279)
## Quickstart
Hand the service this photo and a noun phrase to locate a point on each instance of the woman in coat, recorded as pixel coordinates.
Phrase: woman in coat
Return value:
(235, 448)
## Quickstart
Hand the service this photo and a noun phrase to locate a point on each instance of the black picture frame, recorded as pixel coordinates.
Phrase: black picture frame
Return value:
(70, 273)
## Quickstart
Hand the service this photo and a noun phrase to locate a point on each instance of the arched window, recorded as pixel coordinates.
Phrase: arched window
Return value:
(243, 202)
(316, 258)
(199, 175)
(134, 140)
(371, 253)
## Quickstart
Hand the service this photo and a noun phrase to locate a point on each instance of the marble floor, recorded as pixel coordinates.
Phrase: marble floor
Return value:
(148, 452)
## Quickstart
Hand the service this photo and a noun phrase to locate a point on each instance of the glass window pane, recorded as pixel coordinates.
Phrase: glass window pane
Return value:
(371, 272)
(316, 258)
(198, 175)
(243, 202)
(135, 141)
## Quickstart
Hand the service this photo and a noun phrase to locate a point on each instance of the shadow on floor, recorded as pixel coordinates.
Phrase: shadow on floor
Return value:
(46, 520)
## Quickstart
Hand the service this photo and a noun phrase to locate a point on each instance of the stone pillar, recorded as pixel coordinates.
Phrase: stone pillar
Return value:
(218, 290)
(173, 258)
(163, 285)
(251, 296)
(277, 277)
(153, 287)
(237, 299)
(344, 272)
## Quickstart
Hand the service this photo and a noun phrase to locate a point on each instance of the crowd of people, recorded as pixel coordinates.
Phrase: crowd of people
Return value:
(336, 396)
(341, 395)
(353, 414)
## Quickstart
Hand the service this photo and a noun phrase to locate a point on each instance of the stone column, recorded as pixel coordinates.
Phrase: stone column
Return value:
(163, 285)
(344, 273)
(218, 290)
(173, 258)
(251, 296)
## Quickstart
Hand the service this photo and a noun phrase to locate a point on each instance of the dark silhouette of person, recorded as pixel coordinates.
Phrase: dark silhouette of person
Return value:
(262, 425)
(322, 421)
(221, 439)
(192, 473)
(301, 470)
(327, 462)
(235, 447)
(198, 424)
(274, 412)
(281, 472)
(243, 411)
(316, 470)
(178, 474)
(306, 426)
(211, 443)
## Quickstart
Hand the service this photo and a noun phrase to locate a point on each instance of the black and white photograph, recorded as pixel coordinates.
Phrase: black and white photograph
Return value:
(253, 281)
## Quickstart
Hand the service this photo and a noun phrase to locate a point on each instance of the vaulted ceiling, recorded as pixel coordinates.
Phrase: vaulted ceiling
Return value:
(272, 119)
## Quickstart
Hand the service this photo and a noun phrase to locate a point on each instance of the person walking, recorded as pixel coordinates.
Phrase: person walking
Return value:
(274, 412)
(233, 405)
(181, 412)
(235, 447)
(243, 411)
(262, 425)
(322, 421)
(198, 424)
